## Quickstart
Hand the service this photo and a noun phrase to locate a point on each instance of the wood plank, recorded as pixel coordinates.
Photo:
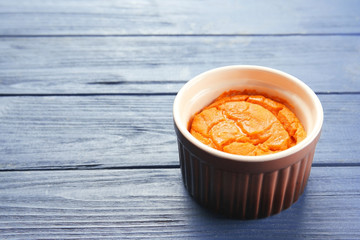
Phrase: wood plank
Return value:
(123, 131)
(164, 64)
(141, 204)
(178, 17)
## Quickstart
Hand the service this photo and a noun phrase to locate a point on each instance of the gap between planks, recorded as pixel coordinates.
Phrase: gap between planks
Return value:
(179, 35)
(153, 167)
(130, 94)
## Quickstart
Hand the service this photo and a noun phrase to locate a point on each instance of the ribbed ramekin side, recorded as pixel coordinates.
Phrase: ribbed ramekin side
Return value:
(242, 195)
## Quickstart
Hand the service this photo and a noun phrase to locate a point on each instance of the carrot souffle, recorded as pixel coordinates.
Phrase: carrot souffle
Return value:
(246, 124)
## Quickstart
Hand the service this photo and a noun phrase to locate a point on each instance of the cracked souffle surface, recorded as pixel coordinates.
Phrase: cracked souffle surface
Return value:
(245, 124)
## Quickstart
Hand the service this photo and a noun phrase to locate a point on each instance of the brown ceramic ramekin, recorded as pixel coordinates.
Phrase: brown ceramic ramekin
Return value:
(246, 187)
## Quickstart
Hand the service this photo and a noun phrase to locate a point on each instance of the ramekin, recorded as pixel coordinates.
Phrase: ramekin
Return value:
(246, 187)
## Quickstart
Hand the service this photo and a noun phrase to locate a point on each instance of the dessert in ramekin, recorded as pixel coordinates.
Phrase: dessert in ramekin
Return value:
(246, 187)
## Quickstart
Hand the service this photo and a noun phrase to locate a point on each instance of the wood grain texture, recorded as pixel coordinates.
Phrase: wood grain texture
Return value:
(141, 204)
(178, 17)
(87, 146)
(164, 64)
(129, 131)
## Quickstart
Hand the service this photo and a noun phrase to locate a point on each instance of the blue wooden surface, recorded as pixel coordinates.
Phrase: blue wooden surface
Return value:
(87, 146)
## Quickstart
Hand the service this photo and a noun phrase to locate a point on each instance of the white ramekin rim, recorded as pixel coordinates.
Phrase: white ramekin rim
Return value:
(310, 138)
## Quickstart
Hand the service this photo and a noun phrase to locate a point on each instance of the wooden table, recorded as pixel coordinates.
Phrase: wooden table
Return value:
(87, 146)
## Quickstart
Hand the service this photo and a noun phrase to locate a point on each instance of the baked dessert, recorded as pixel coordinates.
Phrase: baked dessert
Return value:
(247, 124)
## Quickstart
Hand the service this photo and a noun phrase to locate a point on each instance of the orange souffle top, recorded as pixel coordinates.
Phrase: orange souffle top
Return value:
(245, 124)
